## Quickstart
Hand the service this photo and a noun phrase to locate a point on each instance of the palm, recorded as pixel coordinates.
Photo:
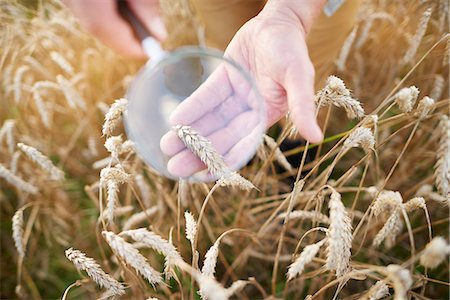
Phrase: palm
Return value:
(221, 109)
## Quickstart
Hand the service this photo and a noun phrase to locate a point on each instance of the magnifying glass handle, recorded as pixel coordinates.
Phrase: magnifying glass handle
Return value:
(151, 46)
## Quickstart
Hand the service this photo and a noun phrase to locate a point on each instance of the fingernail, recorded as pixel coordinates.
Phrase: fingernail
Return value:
(317, 135)
(158, 28)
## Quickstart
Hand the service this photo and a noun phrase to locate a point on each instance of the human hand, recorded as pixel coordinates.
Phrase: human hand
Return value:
(272, 48)
(102, 19)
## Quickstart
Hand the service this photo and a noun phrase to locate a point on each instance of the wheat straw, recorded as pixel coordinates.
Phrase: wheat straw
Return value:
(435, 253)
(113, 116)
(92, 268)
(442, 166)
(17, 232)
(16, 181)
(307, 255)
(43, 161)
(339, 236)
(132, 257)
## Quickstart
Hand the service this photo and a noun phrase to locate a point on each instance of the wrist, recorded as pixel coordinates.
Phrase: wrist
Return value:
(303, 12)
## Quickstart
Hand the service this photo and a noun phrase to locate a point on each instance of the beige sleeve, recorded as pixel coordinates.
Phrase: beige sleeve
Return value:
(221, 19)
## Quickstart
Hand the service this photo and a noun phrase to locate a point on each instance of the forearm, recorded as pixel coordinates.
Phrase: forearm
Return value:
(303, 11)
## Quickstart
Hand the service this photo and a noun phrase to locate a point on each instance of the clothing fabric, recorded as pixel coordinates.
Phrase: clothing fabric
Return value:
(221, 19)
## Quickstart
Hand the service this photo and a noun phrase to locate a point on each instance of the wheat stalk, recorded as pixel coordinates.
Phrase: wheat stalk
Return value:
(339, 236)
(132, 257)
(93, 269)
(43, 161)
(307, 255)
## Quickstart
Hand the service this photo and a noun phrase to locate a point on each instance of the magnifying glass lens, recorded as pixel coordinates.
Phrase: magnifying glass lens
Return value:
(201, 89)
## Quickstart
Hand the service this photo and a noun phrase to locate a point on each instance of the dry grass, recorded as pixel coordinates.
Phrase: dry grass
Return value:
(364, 206)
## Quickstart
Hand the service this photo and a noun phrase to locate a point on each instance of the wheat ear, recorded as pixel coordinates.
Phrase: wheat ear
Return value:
(43, 161)
(307, 255)
(339, 236)
(132, 257)
(92, 268)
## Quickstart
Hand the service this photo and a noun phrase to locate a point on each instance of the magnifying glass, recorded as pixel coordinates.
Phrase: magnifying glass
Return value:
(196, 87)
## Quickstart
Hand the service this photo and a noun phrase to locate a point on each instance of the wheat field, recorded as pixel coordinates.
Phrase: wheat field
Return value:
(363, 215)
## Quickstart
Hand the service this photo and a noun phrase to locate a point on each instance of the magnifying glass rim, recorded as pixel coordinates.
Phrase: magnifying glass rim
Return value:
(179, 54)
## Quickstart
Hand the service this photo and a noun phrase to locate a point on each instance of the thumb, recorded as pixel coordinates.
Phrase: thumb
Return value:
(299, 86)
